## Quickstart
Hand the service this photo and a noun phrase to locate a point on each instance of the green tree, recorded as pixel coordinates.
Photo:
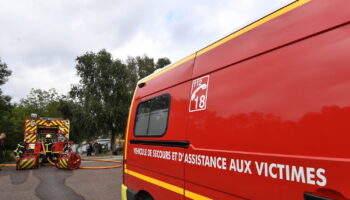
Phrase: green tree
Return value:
(42, 102)
(82, 127)
(7, 123)
(4, 99)
(102, 92)
(13, 125)
(162, 62)
(99, 104)
(4, 73)
(142, 66)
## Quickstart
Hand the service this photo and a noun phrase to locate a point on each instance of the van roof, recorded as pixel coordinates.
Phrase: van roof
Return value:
(227, 38)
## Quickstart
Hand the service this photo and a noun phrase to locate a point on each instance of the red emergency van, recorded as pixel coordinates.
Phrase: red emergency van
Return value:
(263, 113)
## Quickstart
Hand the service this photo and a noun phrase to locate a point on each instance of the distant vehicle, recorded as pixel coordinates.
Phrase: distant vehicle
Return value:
(263, 113)
(106, 142)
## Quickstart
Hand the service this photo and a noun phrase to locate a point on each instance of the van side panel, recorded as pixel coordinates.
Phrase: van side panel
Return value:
(153, 163)
(310, 18)
(288, 108)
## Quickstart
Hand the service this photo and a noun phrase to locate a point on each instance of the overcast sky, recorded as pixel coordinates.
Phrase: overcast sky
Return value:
(40, 39)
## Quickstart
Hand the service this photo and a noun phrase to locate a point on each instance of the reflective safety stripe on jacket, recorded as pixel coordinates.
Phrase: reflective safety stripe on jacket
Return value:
(48, 147)
(19, 149)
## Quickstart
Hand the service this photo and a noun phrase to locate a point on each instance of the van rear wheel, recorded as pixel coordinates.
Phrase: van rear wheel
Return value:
(147, 198)
(143, 195)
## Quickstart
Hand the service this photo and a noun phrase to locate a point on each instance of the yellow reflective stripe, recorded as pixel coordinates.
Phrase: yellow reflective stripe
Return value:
(23, 161)
(174, 188)
(192, 195)
(162, 184)
(59, 123)
(123, 192)
(32, 139)
(61, 164)
(47, 148)
(31, 165)
(26, 164)
(254, 25)
(65, 162)
(66, 124)
(33, 128)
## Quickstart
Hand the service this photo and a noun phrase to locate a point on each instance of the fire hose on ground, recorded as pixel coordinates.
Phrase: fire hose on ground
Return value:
(68, 160)
(72, 161)
(7, 165)
(65, 164)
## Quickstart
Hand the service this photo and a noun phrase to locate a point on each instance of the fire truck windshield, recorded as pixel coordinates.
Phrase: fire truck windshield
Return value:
(43, 131)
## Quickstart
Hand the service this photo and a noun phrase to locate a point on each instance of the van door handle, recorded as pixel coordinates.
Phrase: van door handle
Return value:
(309, 196)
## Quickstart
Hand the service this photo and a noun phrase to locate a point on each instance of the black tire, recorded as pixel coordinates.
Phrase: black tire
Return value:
(146, 198)
(143, 196)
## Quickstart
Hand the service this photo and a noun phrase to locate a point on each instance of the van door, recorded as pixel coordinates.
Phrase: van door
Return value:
(156, 140)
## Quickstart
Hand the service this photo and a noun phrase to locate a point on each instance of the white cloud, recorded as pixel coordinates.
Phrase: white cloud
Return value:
(40, 39)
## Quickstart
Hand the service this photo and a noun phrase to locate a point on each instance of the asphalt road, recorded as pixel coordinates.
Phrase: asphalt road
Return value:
(50, 183)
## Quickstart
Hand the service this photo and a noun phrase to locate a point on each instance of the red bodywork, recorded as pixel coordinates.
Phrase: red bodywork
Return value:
(279, 97)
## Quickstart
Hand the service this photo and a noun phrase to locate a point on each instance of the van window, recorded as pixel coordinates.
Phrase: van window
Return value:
(152, 117)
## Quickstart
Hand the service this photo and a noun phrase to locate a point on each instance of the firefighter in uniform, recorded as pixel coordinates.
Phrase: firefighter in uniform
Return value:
(21, 148)
(48, 145)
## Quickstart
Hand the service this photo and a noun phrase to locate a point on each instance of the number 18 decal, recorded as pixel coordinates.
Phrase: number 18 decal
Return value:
(199, 94)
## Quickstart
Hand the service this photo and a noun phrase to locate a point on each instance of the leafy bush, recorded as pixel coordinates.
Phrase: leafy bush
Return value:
(8, 156)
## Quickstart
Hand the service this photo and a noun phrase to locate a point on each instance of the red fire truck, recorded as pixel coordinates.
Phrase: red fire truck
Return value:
(263, 113)
(35, 132)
